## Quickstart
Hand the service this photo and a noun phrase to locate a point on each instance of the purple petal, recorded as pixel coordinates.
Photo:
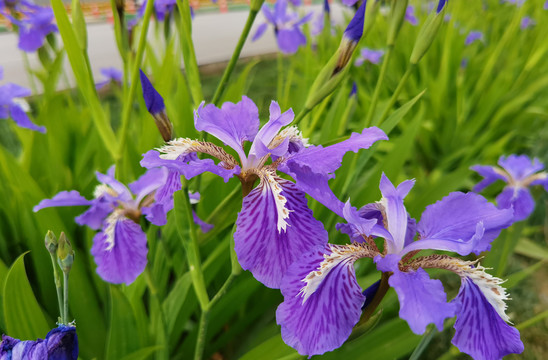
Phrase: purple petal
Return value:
(289, 40)
(479, 330)
(153, 99)
(64, 198)
(205, 227)
(163, 200)
(108, 179)
(453, 221)
(264, 137)
(189, 165)
(10, 91)
(29, 350)
(520, 166)
(268, 14)
(354, 30)
(490, 173)
(120, 251)
(360, 226)
(94, 216)
(22, 119)
(149, 182)
(422, 300)
(260, 31)
(410, 15)
(62, 343)
(262, 247)
(325, 320)
(473, 36)
(232, 123)
(517, 198)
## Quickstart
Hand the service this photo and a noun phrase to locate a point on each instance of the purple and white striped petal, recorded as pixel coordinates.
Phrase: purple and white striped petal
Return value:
(232, 123)
(322, 300)
(275, 228)
(517, 198)
(120, 250)
(453, 222)
(480, 330)
(422, 300)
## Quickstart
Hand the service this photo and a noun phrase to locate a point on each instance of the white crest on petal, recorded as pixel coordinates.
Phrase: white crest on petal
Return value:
(103, 189)
(338, 255)
(177, 147)
(109, 231)
(294, 135)
(270, 183)
(23, 104)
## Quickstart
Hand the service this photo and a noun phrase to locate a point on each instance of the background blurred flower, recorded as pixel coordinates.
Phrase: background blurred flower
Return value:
(526, 22)
(112, 75)
(473, 36)
(410, 16)
(370, 55)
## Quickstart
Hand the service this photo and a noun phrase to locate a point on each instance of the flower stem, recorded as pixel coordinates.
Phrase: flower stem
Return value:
(395, 95)
(377, 91)
(64, 318)
(379, 295)
(202, 331)
(235, 55)
(58, 285)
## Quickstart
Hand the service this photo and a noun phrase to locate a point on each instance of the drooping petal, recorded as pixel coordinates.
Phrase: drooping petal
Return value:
(232, 123)
(520, 166)
(274, 228)
(188, 165)
(454, 220)
(260, 31)
(519, 199)
(22, 119)
(62, 343)
(149, 182)
(479, 329)
(422, 299)
(163, 200)
(205, 227)
(120, 250)
(490, 174)
(97, 213)
(64, 198)
(325, 319)
(289, 40)
(122, 192)
(360, 226)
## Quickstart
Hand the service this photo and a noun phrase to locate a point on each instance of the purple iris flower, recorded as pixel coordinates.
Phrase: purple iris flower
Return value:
(473, 36)
(410, 16)
(112, 75)
(319, 22)
(323, 301)
(36, 23)
(545, 7)
(12, 105)
(514, 2)
(370, 55)
(519, 172)
(275, 225)
(526, 23)
(60, 343)
(287, 26)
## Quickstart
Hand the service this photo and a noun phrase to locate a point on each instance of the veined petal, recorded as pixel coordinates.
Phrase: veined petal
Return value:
(520, 166)
(394, 212)
(480, 331)
(232, 123)
(460, 246)
(490, 174)
(120, 250)
(359, 226)
(122, 192)
(269, 131)
(149, 182)
(62, 343)
(519, 199)
(455, 219)
(422, 300)
(274, 228)
(163, 200)
(64, 198)
(325, 319)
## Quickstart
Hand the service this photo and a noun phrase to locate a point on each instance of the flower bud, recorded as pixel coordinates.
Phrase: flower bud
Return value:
(65, 254)
(155, 106)
(428, 32)
(397, 15)
(51, 242)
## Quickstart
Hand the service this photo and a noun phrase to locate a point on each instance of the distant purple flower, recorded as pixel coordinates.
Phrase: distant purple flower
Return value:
(519, 172)
(35, 24)
(319, 23)
(275, 226)
(349, 2)
(514, 2)
(473, 36)
(410, 16)
(545, 7)
(464, 63)
(526, 23)
(112, 75)
(287, 26)
(354, 89)
(370, 55)
(323, 301)
(12, 105)
(60, 343)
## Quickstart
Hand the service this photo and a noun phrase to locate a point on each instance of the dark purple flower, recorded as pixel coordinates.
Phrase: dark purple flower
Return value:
(545, 7)
(519, 172)
(120, 248)
(60, 343)
(354, 30)
(526, 23)
(410, 16)
(473, 36)
(323, 301)
(441, 5)
(354, 90)
(12, 105)
(287, 26)
(370, 55)
(153, 100)
(112, 75)
(275, 226)
(36, 23)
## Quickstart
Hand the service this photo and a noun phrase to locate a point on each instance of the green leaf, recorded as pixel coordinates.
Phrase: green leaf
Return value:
(517, 277)
(272, 349)
(142, 354)
(528, 248)
(22, 314)
(122, 338)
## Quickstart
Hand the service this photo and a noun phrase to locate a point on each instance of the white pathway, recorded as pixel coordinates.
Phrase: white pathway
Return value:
(215, 35)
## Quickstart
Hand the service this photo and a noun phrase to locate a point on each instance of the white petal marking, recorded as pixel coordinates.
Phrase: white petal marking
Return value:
(177, 147)
(109, 231)
(270, 184)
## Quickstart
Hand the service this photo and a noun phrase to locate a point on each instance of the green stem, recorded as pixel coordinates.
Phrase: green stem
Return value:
(301, 115)
(222, 291)
(65, 298)
(395, 95)
(235, 55)
(381, 292)
(532, 320)
(279, 87)
(58, 285)
(377, 91)
(202, 330)
(126, 111)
